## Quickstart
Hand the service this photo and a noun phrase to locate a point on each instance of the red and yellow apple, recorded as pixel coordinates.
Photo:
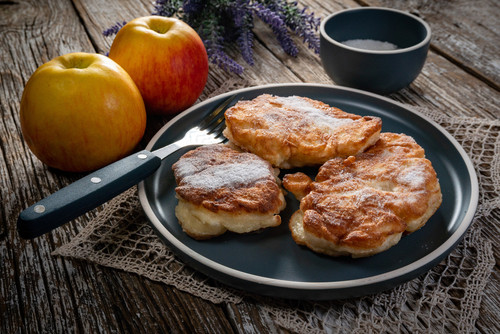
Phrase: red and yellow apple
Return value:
(166, 59)
(81, 111)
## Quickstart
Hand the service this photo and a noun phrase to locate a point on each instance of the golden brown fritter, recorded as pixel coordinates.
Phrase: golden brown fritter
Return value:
(362, 205)
(222, 189)
(297, 131)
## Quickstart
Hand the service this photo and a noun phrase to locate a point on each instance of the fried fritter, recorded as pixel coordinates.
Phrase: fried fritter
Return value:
(363, 204)
(297, 131)
(222, 189)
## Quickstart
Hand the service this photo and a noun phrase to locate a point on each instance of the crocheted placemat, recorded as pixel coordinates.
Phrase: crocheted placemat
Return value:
(445, 299)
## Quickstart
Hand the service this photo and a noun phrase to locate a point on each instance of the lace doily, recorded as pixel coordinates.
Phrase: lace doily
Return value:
(445, 299)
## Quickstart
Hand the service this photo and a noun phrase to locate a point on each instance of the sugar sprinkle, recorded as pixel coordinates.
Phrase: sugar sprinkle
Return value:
(228, 175)
(370, 44)
(313, 114)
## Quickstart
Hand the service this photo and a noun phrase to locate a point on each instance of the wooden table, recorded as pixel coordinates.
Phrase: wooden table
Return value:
(42, 293)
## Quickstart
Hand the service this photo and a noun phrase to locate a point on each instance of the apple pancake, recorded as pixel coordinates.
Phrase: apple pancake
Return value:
(363, 204)
(221, 189)
(297, 131)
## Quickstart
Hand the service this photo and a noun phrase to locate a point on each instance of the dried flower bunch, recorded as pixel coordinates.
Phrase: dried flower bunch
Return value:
(221, 23)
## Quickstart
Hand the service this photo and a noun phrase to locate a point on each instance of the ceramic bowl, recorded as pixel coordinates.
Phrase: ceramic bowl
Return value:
(398, 44)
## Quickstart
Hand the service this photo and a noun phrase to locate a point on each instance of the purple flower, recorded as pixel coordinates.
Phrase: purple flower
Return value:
(245, 43)
(217, 56)
(167, 7)
(113, 30)
(221, 23)
(243, 22)
(304, 25)
(193, 6)
(242, 13)
(278, 27)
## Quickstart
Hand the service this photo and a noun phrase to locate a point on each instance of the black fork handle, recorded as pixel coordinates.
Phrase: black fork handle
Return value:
(86, 194)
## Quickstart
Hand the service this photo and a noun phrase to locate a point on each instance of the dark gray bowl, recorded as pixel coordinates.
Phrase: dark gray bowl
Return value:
(378, 71)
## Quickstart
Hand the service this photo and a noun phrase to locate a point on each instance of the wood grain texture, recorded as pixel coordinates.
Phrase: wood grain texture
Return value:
(463, 31)
(40, 293)
(35, 301)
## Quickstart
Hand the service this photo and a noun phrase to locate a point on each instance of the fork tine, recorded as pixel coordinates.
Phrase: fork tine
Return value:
(218, 128)
(217, 115)
(215, 125)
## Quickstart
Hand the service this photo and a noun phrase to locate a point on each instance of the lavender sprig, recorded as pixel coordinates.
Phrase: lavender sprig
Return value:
(113, 30)
(222, 23)
(219, 57)
(245, 43)
(167, 7)
(243, 21)
(303, 24)
(193, 6)
(279, 28)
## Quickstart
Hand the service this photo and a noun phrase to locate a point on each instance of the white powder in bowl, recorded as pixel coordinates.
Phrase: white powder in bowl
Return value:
(370, 44)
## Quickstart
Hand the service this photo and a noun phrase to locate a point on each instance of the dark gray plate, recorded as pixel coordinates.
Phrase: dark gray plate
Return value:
(270, 262)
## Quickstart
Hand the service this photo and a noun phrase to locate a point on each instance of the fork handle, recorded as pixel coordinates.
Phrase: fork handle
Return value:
(86, 194)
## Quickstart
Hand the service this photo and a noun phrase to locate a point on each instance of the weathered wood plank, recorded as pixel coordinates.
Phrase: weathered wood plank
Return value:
(247, 318)
(98, 16)
(41, 293)
(32, 301)
(436, 87)
(463, 31)
(488, 321)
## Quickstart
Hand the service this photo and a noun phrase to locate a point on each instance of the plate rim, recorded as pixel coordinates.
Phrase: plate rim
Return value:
(428, 259)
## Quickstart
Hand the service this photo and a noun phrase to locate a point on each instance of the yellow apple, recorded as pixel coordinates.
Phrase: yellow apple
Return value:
(167, 60)
(81, 111)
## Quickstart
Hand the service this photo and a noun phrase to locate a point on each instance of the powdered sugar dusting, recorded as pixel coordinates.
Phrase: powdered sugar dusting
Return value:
(312, 114)
(189, 166)
(414, 176)
(228, 175)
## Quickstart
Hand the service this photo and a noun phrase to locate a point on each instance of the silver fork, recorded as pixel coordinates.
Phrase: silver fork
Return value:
(102, 185)
(209, 131)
